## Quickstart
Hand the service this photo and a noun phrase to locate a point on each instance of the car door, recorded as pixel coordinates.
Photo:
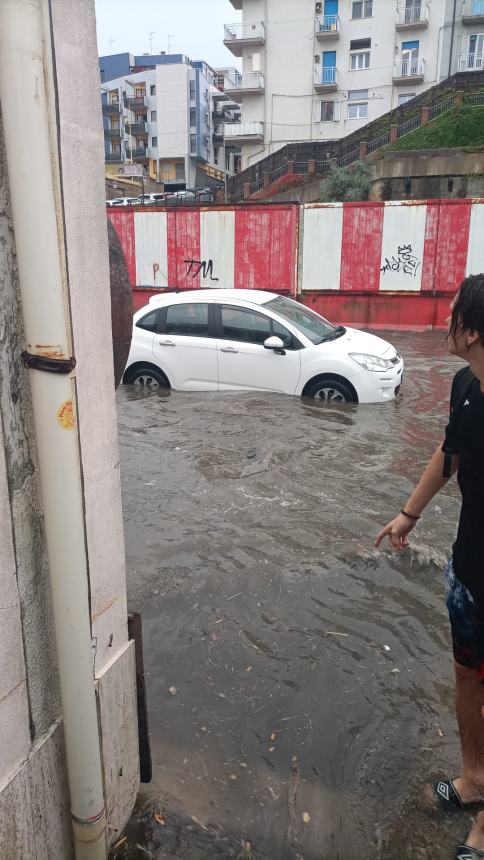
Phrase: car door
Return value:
(243, 361)
(185, 347)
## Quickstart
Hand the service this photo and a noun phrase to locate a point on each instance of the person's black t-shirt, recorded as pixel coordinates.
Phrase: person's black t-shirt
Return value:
(466, 429)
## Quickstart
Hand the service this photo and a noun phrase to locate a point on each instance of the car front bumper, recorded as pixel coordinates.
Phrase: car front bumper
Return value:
(381, 386)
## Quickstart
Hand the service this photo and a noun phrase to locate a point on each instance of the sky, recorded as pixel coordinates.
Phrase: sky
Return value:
(194, 28)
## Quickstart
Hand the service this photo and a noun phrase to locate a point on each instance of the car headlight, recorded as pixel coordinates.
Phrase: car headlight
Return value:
(371, 362)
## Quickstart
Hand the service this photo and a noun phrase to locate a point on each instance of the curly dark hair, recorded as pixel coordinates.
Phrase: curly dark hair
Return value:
(468, 307)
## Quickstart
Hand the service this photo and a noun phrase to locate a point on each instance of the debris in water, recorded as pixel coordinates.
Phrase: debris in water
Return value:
(161, 820)
(273, 736)
(440, 732)
(251, 453)
(173, 691)
(306, 817)
(386, 647)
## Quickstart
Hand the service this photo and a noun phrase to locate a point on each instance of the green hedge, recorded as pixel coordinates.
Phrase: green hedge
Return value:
(458, 127)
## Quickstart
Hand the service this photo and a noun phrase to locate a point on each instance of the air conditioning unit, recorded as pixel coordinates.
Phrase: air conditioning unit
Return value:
(319, 8)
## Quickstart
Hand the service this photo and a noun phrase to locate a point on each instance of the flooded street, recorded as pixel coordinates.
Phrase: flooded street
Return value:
(299, 682)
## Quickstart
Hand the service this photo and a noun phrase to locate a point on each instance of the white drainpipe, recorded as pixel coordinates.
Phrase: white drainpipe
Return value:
(29, 124)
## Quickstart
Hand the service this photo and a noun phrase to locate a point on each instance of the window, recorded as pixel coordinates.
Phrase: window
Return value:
(403, 98)
(153, 116)
(192, 91)
(149, 322)
(358, 104)
(360, 44)
(327, 112)
(315, 327)
(358, 111)
(193, 143)
(360, 61)
(362, 9)
(244, 325)
(152, 90)
(280, 331)
(190, 320)
(154, 141)
(193, 117)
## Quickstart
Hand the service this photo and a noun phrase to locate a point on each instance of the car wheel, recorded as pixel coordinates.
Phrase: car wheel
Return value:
(147, 377)
(330, 391)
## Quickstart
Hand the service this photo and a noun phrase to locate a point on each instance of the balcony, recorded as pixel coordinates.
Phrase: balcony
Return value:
(244, 132)
(473, 12)
(237, 4)
(240, 36)
(327, 27)
(218, 133)
(137, 129)
(244, 85)
(140, 154)
(470, 63)
(413, 17)
(408, 71)
(326, 80)
(111, 108)
(137, 103)
(113, 157)
(112, 133)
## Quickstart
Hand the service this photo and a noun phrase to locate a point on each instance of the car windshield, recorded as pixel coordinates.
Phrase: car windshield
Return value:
(315, 327)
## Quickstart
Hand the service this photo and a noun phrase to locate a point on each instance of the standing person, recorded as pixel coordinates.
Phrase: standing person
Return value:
(463, 452)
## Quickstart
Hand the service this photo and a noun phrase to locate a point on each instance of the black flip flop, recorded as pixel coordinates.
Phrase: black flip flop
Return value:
(448, 796)
(465, 853)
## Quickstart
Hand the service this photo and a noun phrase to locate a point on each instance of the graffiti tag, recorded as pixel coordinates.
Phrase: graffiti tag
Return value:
(194, 267)
(403, 261)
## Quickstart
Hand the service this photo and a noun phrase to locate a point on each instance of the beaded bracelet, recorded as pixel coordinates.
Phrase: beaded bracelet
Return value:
(410, 516)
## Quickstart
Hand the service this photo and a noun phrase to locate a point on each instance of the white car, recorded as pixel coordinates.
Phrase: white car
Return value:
(246, 340)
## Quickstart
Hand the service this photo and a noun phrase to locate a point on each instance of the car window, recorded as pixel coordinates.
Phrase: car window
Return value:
(314, 326)
(149, 322)
(187, 319)
(283, 333)
(244, 325)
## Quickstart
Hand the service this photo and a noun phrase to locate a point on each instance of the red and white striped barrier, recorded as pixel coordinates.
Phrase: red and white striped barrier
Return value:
(377, 264)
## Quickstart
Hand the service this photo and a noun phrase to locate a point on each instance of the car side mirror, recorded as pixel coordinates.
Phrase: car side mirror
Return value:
(275, 343)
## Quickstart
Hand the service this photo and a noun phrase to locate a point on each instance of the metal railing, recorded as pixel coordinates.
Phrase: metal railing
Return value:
(322, 167)
(137, 128)
(242, 32)
(135, 102)
(280, 171)
(409, 68)
(470, 63)
(301, 167)
(349, 158)
(442, 107)
(244, 129)
(378, 143)
(417, 13)
(249, 81)
(113, 157)
(112, 133)
(327, 24)
(140, 152)
(111, 107)
(325, 76)
(409, 125)
(474, 99)
(472, 7)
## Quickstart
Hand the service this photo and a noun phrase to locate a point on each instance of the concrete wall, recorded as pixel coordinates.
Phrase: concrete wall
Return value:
(438, 174)
(34, 801)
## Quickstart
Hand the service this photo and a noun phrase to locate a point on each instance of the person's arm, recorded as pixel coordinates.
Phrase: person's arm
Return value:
(429, 485)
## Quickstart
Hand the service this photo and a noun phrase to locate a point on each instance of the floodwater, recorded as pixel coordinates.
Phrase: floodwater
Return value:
(299, 681)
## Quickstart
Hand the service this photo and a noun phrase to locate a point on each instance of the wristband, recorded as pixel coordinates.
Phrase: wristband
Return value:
(410, 516)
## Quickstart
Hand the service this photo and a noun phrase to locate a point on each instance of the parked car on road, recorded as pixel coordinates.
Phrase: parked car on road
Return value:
(152, 199)
(249, 340)
(124, 201)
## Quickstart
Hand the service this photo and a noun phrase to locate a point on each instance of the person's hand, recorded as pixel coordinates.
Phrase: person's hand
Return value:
(397, 531)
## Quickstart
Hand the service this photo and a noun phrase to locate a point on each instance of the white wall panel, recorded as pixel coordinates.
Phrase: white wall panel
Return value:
(150, 230)
(217, 244)
(321, 247)
(475, 253)
(402, 247)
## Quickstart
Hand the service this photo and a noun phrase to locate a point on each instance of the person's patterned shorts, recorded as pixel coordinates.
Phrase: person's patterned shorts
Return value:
(466, 623)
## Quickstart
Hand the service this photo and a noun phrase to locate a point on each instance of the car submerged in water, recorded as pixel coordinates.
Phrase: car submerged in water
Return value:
(250, 340)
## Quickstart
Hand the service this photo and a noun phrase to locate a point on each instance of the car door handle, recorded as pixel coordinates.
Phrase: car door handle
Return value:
(166, 343)
(228, 349)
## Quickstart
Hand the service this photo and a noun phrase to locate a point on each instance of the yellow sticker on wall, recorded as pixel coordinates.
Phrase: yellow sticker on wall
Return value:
(65, 415)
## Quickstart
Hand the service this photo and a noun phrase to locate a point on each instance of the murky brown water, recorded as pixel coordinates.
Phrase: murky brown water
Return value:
(299, 682)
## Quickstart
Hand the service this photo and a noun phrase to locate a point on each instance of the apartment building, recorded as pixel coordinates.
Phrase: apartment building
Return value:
(166, 113)
(319, 70)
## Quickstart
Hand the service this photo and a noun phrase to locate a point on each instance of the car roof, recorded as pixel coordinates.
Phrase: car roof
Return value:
(255, 297)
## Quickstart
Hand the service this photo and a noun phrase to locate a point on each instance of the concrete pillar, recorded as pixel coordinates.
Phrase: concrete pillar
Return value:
(247, 190)
(290, 168)
(267, 179)
(333, 164)
(424, 116)
(363, 148)
(312, 167)
(459, 98)
(393, 133)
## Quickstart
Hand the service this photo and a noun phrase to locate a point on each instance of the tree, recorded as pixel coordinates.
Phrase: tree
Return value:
(346, 183)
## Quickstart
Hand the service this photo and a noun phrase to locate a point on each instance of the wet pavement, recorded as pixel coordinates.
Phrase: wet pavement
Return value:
(299, 681)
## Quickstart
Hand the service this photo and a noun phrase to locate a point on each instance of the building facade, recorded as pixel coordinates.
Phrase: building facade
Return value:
(167, 114)
(319, 70)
